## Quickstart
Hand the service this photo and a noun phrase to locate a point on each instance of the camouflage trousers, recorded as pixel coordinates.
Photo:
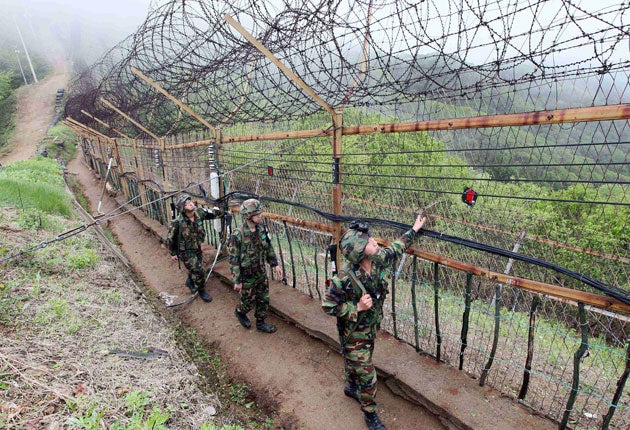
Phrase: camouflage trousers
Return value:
(193, 261)
(255, 294)
(359, 370)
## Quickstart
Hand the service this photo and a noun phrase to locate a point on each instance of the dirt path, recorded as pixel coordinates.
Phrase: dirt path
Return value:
(34, 113)
(298, 376)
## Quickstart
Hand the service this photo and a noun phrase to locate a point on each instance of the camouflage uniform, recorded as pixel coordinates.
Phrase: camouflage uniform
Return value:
(185, 237)
(248, 251)
(357, 330)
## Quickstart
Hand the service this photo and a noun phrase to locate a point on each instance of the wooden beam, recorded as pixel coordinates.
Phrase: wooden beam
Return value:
(176, 101)
(559, 116)
(565, 294)
(121, 134)
(75, 128)
(91, 130)
(288, 72)
(597, 300)
(130, 119)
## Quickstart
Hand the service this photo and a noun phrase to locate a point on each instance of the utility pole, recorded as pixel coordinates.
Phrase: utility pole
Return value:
(28, 57)
(17, 55)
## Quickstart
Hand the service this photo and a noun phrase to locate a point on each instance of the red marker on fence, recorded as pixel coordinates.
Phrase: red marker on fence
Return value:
(469, 196)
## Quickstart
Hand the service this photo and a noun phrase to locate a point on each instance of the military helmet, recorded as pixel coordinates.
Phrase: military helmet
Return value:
(353, 244)
(181, 201)
(251, 207)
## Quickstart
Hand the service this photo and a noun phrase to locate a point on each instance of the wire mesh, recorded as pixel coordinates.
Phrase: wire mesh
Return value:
(553, 192)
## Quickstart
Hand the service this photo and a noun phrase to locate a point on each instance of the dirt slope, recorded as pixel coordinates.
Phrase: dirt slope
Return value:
(35, 111)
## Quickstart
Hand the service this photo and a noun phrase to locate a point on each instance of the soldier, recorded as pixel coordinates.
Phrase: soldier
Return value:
(185, 236)
(355, 296)
(249, 248)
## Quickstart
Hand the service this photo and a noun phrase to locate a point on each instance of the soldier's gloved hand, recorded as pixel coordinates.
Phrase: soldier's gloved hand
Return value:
(212, 213)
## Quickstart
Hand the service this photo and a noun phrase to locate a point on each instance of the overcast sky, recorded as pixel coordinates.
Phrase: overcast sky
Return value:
(98, 25)
(87, 27)
(117, 8)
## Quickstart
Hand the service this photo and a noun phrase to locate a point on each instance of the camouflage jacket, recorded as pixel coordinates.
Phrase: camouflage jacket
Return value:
(248, 251)
(342, 295)
(186, 235)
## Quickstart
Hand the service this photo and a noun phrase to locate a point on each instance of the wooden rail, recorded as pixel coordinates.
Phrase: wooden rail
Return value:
(559, 116)
(596, 300)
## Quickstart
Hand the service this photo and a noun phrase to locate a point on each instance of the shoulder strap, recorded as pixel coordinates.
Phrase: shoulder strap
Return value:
(265, 231)
(239, 234)
(355, 281)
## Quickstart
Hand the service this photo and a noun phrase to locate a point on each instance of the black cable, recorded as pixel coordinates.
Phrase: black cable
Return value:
(620, 295)
(451, 150)
(541, 199)
(440, 178)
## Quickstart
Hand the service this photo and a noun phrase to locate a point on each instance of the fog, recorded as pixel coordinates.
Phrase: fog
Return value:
(81, 30)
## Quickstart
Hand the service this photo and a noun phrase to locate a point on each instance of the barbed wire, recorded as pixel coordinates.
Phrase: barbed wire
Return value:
(425, 60)
(559, 191)
(419, 52)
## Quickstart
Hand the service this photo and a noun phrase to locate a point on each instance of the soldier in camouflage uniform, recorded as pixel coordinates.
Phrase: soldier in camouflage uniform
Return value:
(249, 248)
(185, 236)
(356, 296)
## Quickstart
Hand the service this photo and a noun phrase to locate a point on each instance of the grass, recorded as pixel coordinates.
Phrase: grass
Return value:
(59, 143)
(7, 110)
(64, 300)
(35, 184)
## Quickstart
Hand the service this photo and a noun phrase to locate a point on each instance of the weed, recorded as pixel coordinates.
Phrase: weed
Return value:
(83, 259)
(10, 304)
(113, 296)
(238, 393)
(4, 378)
(56, 316)
(90, 420)
(78, 193)
(156, 419)
(212, 426)
(71, 405)
(268, 424)
(196, 349)
(59, 143)
(110, 237)
(60, 308)
(136, 401)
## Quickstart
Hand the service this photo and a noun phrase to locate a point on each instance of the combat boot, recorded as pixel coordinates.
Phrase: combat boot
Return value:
(373, 421)
(205, 296)
(351, 390)
(242, 318)
(261, 325)
(189, 284)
